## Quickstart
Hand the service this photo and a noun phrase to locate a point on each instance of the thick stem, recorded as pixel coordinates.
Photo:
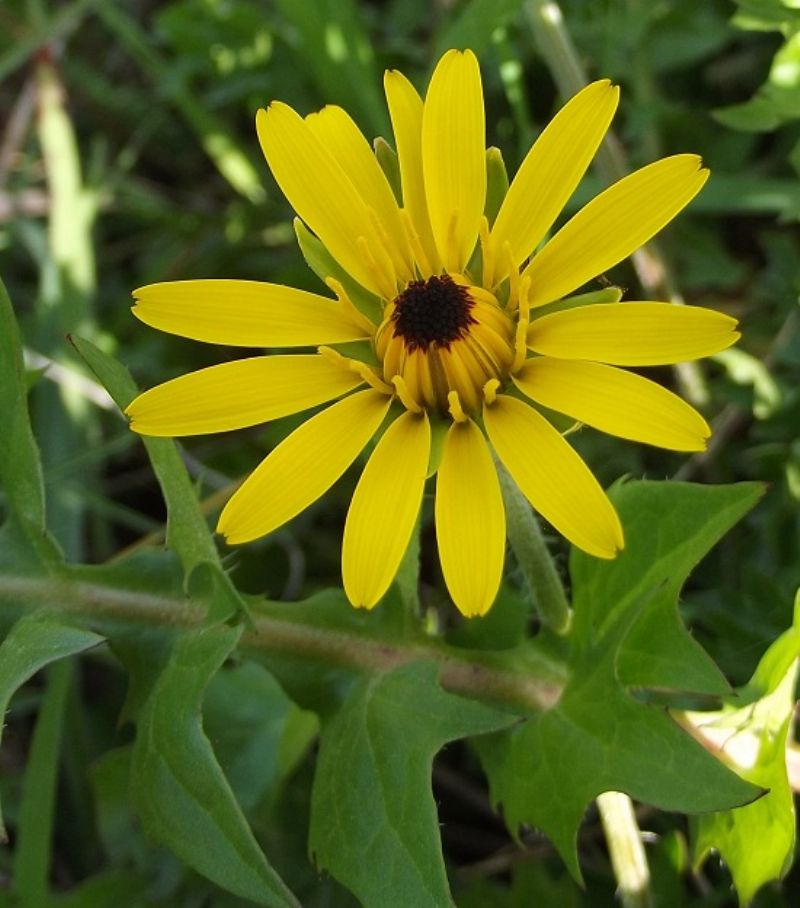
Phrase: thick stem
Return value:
(626, 849)
(533, 557)
(561, 56)
(472, 674)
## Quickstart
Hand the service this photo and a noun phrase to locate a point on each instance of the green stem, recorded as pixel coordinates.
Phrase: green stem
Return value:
(559, 52)
(625, 849)
(276, 630)
(533, 557)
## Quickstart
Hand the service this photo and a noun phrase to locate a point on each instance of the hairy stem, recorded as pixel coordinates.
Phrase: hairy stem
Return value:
(276, 631)
(535, 561)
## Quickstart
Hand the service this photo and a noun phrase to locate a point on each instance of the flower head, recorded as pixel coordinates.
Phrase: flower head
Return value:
(469, 334)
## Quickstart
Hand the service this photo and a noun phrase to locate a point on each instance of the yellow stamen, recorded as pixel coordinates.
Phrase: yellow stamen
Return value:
(382, 272)
(406, 398)
(399, 258)
(454, 407)
(424, 264)
(364, 370)
(490, 391)
(348, 305)
(521, 338)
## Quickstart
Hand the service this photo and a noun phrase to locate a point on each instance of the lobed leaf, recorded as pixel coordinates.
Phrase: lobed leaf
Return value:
(373, 818)
(669, 527)
(598, 738)
(178, 787)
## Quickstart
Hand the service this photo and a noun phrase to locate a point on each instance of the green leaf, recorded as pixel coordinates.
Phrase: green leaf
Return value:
(668, 527)
(31, 865)
(34, 641)
(20, 466)
(547, 771)
(181, 793)
(187, 532)
(598, 738)
(373, 818)
(259, 734)
(755, 841)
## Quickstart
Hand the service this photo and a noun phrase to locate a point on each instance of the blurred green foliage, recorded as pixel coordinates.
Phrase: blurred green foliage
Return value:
(128, 155)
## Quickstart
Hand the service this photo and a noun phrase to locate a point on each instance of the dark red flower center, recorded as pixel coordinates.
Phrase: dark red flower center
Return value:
(433, 311)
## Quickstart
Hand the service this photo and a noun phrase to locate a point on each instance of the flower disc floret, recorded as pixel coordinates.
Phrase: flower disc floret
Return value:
(442, 336)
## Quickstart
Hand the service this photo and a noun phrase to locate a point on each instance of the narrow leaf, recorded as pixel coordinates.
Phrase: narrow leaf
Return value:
(187, 532)
(20, 466)
(34, 641)
(33, 845)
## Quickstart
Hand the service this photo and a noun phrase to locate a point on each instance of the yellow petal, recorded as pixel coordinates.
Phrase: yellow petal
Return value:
(245, 313)
(633, 334)
(470, 520)
(302, 467)
(384, 509)
(405, 110)
(552, 169)
(336, 130)
(242, 393)
(454, 157)
(320, 192)
(553, 477)
(614, 225)
(614, 401)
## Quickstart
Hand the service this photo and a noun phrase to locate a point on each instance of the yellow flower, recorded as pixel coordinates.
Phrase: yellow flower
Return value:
(466, 347)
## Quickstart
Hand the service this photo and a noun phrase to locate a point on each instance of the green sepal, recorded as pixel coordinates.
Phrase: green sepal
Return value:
(390, 165)
(496, 183)
(323, 264)
(606, 295)
(440, 426)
